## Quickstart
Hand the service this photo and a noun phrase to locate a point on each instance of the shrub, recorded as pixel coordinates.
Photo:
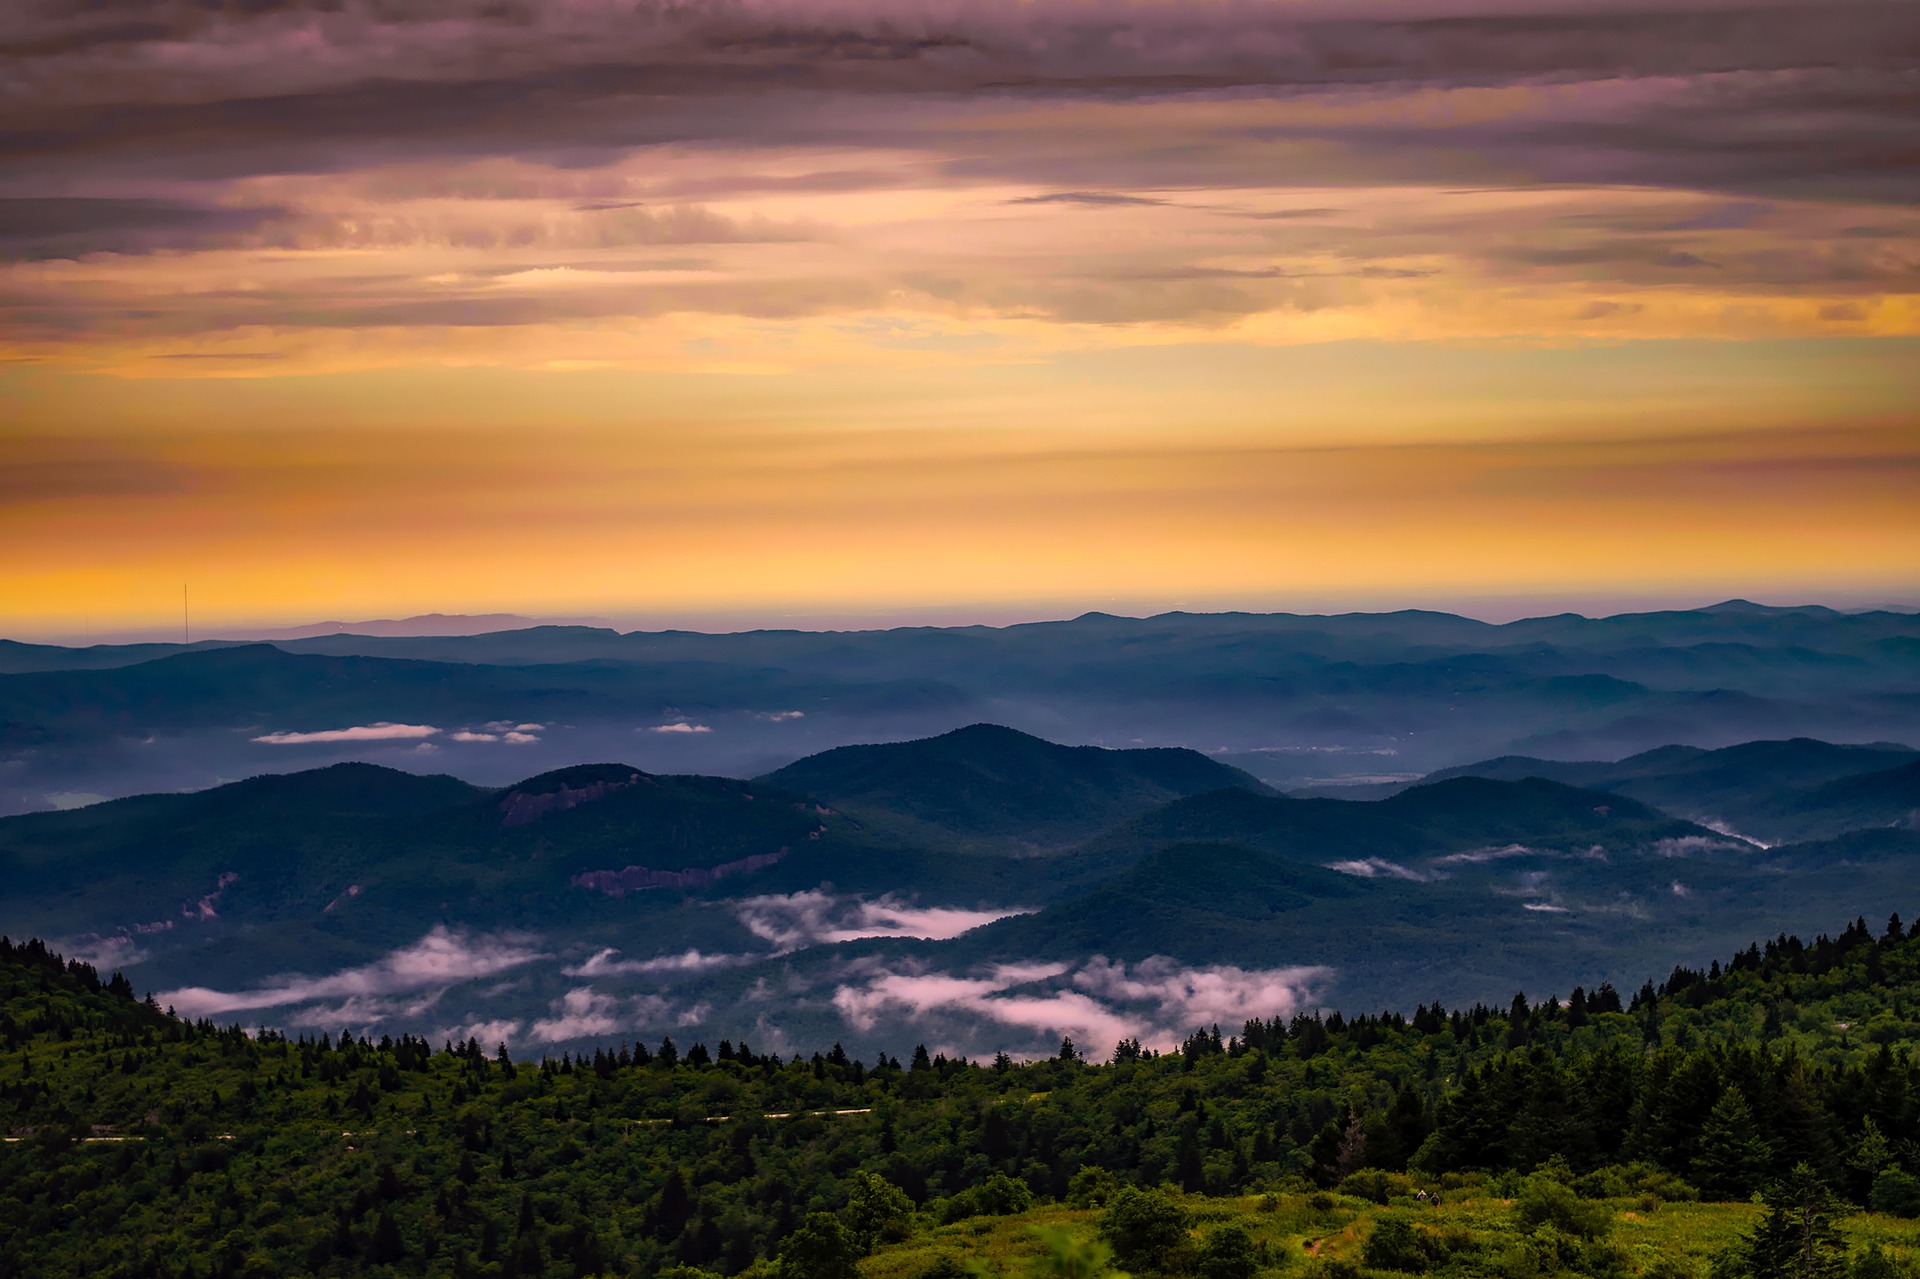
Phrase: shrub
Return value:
(1394, 1244)
(1640, 1181)
(997, 1196)
(1147, 1228)
(1228, 1253)
(1374, 1184)
(821, 1248)
(1542, 1201)
(1895, 1192)
(1091, 1187)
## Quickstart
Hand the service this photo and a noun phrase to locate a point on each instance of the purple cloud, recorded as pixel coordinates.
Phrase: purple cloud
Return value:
(1157, 1001)
(380, 732)
(442, 959)
(795, 920)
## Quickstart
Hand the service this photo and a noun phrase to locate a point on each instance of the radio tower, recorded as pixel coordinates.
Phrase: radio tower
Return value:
(186, 623)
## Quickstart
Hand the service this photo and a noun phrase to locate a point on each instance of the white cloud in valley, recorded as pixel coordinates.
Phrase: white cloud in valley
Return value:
(794, 920)
(607, 963)
(1481, 856)
(1377, 867)
(442, 959)
(1157, 1001)
(581, 1013)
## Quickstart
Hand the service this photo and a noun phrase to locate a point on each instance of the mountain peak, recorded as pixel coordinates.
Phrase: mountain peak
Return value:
(988, 781)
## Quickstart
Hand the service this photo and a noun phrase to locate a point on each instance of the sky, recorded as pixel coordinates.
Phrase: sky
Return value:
(752, 309)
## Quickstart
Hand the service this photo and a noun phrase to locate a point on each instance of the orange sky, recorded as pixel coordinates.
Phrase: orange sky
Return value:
(897, 338)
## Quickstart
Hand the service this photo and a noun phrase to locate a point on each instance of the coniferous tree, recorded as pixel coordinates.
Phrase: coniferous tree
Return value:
(1733, 1158)
(1796, 1237)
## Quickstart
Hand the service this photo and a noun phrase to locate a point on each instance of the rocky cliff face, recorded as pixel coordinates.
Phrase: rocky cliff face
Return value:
(634, 878)
(521, 807)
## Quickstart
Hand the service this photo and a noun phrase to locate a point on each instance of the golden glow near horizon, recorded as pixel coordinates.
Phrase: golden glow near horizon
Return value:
(898, 336)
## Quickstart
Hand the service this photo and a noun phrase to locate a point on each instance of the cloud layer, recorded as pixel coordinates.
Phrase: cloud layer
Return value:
(1233, 160)
(381, 732)
(843, 303)
(605, 963)
(1097, 1003)
(795, 920)
(440, 960)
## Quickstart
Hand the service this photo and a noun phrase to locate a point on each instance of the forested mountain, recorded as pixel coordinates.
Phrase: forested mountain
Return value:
(141, 1145)
(992, 786)
(1776, 791)
(938, 888)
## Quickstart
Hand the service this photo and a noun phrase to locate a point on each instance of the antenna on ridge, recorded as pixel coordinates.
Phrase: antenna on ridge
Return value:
(186, 622)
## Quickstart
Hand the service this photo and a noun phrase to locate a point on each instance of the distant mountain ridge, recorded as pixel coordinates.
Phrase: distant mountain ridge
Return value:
(1002, 788)
(1770, 790)
(1296, 700)
(420, 624)
(867, 891)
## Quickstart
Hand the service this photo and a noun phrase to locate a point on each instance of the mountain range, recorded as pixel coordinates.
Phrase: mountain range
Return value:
(1295, 701)
(981, 889)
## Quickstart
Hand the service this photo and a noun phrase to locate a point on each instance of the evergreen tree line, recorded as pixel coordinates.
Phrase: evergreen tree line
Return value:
(145, 1145)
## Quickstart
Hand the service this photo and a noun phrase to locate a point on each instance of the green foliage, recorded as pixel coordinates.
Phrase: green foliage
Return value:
(1065, 1255)
(1733, 1158)
(1897, 1193)
(1548, 1250)
(338, 1157)
(998, 1196)
(1875, 1262)
(1395, 1244)
(1797, 1237)
(1670, 1266)
(1638, 1180)
(946, 1266)
(1227, 1253)
(822, 1248)
(1146, 1228)
(1547, 1202)
(1091, 1187)
(1375, 1184)
(877, 1211)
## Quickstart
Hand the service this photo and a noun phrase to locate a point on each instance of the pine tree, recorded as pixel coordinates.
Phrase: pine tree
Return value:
(1796, 1237)
(1732, 1157)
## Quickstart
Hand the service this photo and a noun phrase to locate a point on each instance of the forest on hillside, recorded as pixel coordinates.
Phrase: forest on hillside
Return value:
(143, 1145)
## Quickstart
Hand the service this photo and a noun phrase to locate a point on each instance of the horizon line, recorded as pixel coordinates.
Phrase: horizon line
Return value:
(1005, 616)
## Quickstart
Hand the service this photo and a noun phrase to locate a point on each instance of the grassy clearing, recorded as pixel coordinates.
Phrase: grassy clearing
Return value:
(1302, 1232)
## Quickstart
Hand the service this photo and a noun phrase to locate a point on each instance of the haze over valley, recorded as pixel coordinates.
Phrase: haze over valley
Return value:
(985, 839)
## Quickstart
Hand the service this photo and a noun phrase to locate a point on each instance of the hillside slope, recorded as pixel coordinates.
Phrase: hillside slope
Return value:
(1770, 790)
(992, 786)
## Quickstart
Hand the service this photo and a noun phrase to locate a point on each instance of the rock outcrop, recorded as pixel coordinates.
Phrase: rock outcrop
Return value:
(635, 878)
